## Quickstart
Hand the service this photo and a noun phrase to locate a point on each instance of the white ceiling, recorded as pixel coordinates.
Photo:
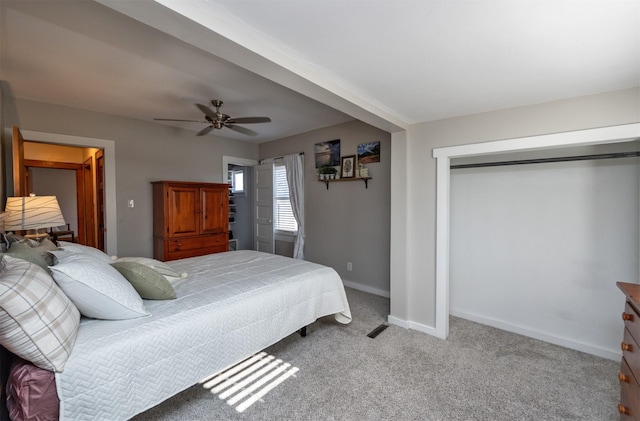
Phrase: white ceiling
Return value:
(314, 63)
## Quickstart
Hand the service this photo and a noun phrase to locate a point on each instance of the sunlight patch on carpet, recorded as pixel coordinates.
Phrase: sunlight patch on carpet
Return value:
(249, 381)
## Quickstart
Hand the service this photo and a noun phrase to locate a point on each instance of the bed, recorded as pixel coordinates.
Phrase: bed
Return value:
(228, 306)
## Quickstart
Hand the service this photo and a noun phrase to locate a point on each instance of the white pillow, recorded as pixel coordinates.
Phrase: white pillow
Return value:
(97, 289)
(60, 256)
(161, 267)
(91, 251)
(39, 322)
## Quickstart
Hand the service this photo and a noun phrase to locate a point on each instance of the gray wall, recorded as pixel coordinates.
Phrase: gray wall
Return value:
(145, 152)
(62, 184)
(414, 203)
(346, 223)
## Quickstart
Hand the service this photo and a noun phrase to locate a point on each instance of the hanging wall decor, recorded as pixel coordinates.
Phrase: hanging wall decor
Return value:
(369, 152)
(327, 153)
(348, 167)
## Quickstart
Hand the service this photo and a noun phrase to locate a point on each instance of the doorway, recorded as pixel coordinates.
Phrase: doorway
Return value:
(108, 167)
(240, 200)
(619, 134)
(72, 183)
(40, 167)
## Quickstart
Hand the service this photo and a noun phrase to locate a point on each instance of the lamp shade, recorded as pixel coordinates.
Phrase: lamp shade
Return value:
(33, 212)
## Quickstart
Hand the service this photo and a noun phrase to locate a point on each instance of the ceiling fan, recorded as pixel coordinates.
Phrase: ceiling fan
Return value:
(218, 120)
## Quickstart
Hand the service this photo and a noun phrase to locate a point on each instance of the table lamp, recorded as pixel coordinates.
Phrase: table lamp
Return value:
(32, 213)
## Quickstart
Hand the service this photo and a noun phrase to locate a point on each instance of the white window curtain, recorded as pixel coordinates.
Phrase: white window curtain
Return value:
(294, 166)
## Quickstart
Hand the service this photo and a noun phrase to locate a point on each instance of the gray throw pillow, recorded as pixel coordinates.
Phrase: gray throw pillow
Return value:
(149, 283)
(25, 252)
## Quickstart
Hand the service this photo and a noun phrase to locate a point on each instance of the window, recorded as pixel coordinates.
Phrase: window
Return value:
(283, 214)
(236, 179)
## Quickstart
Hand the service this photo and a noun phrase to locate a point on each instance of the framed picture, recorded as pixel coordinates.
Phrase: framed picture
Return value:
(348, 167)
(327, 153)
(369, 152)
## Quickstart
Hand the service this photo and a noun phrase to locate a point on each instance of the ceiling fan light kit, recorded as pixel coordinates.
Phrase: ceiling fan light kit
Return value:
(217, 120)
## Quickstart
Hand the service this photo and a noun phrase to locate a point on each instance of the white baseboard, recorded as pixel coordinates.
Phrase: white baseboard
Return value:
(366, 288)
(412, 325)
(556, 340)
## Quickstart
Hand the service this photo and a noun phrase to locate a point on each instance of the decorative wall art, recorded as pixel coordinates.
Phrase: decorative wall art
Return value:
(369, 152)
(348, 167)
(327, 153)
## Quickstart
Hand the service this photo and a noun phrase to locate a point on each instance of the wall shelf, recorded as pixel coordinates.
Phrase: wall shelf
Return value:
(365, 179)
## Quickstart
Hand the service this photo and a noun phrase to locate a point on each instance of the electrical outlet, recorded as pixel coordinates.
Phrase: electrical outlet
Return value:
(131, 204)
(349, 266)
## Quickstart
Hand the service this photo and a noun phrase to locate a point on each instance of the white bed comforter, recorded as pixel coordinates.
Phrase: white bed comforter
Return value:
(230, 306)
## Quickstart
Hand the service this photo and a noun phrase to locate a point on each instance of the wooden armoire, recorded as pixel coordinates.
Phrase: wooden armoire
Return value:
(189, 219)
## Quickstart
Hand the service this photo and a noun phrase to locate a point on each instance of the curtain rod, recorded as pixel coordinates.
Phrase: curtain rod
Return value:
(546, 160)
(280, 157)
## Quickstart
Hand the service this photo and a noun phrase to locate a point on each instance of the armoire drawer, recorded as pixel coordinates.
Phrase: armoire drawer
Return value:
(631, 353)
(629, 375)
(631, 321)
(629, 406)
(194, 243)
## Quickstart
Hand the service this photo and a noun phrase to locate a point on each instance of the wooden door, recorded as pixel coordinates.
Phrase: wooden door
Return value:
(90, 220)
(214, 215)
(19, 173)
(184, 211)
(100, 198)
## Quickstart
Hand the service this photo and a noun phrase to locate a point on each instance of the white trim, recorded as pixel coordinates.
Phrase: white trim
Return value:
(366, 288)
(109, 148)
(622, 133)
(442, 247)
(536, 334)
(412, 325)
(226, 160)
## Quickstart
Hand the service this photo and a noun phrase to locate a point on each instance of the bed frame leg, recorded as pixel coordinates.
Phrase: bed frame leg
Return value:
(303, 332)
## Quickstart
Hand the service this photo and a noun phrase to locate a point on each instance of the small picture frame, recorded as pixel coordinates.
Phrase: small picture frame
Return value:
(348, 167)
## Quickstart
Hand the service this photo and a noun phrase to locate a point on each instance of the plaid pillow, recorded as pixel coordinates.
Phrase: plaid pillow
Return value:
(38, 322)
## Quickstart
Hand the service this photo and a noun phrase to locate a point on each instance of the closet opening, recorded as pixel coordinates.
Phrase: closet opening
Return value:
(498, 151)
(536, 247)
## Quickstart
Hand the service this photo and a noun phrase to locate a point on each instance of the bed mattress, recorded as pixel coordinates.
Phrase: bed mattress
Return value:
(230, 306)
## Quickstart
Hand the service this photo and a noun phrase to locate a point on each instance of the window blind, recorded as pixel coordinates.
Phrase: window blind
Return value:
(284, 219)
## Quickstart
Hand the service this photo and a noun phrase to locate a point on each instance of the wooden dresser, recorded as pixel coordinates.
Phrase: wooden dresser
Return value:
(629, 375)
(189, 219)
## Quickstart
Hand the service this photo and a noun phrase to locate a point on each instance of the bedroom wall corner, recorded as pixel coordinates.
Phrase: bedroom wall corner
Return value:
(346, 222)
(398, 230)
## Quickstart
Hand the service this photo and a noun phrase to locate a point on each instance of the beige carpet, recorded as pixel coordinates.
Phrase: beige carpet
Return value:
(478, 373)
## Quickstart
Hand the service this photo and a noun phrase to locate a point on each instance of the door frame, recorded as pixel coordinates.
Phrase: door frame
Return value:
(80, 191)
(244, 162)
(443, 156)
(109, 148)
(226, 160)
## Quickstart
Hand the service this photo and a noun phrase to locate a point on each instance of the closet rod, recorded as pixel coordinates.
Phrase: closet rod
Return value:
(546, 160)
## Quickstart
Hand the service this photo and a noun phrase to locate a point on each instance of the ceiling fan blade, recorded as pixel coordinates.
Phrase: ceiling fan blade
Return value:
(204, 131)
(207, 111)
(175, 119)
(249, 120)
(242, 130)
